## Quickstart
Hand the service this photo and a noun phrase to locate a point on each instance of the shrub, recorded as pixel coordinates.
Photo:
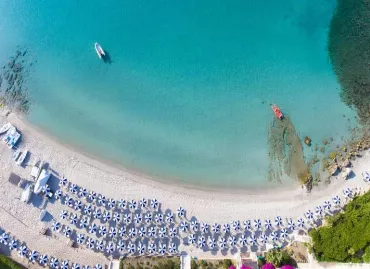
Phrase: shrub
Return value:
(227, 263)
(278, 257)
(194, 265)
(203, 264)
(366, 256)
(7, 263)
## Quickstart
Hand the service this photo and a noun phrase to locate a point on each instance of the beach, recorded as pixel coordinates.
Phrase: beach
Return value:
(22, 220)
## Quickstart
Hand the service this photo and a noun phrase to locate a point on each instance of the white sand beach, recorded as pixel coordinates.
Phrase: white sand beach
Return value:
(22, 220)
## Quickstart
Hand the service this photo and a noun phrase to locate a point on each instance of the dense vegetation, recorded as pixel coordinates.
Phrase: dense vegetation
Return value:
(7, 263)
(279, 257)
(346, 238)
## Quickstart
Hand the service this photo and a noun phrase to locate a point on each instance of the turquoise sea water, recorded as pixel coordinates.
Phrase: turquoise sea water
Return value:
(183, 96)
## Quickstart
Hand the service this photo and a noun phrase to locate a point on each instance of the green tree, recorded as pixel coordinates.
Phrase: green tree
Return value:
(226, 263)
(194, 264)
(278, 257)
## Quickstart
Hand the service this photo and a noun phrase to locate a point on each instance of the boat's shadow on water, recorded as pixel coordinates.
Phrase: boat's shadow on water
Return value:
(107, 59)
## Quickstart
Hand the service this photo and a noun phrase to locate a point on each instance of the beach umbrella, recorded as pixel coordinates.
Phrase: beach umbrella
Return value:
(300, 223)
(131, 248)
(173, 232)
(226, 228)
(211, 243)
(68, 201)
(151, 231)
(263, 238)
(127, 218)
(327, 205)
(92, 195)
(4, 239)
(148, 217)
(78, 205)
(22, 251)
(142, 231)
(122, 204)
(88, 209)
(268, 266)
(67, 231)
(101, 200)
(347, 192)
(143, 203)
(291, 225)
(319, 210)
(232, 241)
(140, 248)
(201, 242)
(75, 266)
(243, 240)
(46, 190)
(90, 242)
(158, 218)
(181, 212)
(162, 232)
(274, 236)
(122, 231)
(252, 240)
(58, 194)
(137, 218)
(268, 225)
(194, 225)
(278, 221)
(336, 200)
(236, 225)
(172, 248)
(84, 222)
(63, 182)
(132, 232)
(99, 245)
(86, 267)
(204, 227)
(192, 239)
(284, 233)
(98, 266)
(80, 238)
(63, 214)
(215, 228)
(111, 203)
(247, 225)
(64, 265)
(103, 230)
(110, 248)
(32, 255)
(152, 248)
(132, 205)
(121, 246)
(169, 217)
(107, 216)
(309, 215)
(162, 249)
(73, 219)
(12, 244)
(222, 243)
(184, 226)
(82, 193)
(154, 203)
(257, 224)
(93, 228)
(73, 188)
(43, 259)
(97, 213)
(113, 232)
(54, 263)
(55, 226)
(116, 217)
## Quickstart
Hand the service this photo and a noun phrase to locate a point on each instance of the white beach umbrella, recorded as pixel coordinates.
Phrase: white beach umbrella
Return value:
(132, 205)
(113, 232)
(181, 212)
(131, 248)
(22, 251)
(116, 217)
(93, 228)
(215, 228)
(327, 205)
(64, 265)
(142, 231)
(99, 245)
(4, 238)
(43, 259)
(173, 232)
(132, 232)
(194, 225)
(162, 249)
(137, 218)
(154, 203)
(252, 240)
(172, 248)
(226, 228)
(192, 239)
(336, 200)
(143, 203)
(63, 214)
(268, 225)
(151, 231)
(46, 190)
(109, 248)
(300, 223)
(67, 231)
(68, 201)
(347, 192)
(158, 218)
(169, 217)
(184, 226)
(58, 194)
(222, 243)
(121, 246)
(201, 242)
(162, 232)
(103, 230)
(309, 215)
(54, 263)
(278, 221)
(257, 224)
(274, 236)
(86, 267)
(84, 222)
(152, 248)
(366, 176)
(92, 195)
(111, 203)
(243, 240)
(148, 217)
(55, 226)
(122, 231)
(107, 216)
(75, 266)
(80, 238)
(73, 219)
(290, 224)
(263, 238)
(90, 242)
(284, 233)
(33, 255)
(101, 200)
(98, 266)
(97, 213)
(319, 210)
(140, 248)
(88, 209)
(211, 243)
(127, 218)
(236, 225)
(13, 244)
(232, 241)
(82, 193)
(63, 182)
(78, 205)
(122, 204)
(247, 225)
(204, 227)
(73, 188)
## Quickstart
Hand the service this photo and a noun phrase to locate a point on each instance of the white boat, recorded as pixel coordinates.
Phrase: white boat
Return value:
(13, 140)
(27, 193)
(41, 181)
(5, 128)
(22, 157)
(16, 155)
(35, 171)
(99, 50)
(9, 134)
(43, 214)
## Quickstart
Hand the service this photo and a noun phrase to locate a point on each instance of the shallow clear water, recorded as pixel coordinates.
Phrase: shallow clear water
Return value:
(183, 96)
